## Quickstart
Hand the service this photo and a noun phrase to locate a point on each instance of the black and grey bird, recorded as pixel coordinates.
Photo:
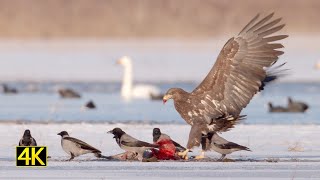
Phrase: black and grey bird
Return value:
(129, 143)
(27, 139)
(158, 135)
(90, 105)
(297, 106)
(278, 109)
(212, 141)
(68, 93)
(75, 147)
(9, 90)
(156, 96)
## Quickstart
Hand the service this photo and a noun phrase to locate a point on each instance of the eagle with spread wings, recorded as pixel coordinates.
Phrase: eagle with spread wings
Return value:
(242, 69)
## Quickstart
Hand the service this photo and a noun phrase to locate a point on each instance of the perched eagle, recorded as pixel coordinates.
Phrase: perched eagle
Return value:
(240, 71)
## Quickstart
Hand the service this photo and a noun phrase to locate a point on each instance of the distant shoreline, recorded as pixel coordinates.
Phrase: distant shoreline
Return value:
(89, 122)
(132, 122)
(140, 18)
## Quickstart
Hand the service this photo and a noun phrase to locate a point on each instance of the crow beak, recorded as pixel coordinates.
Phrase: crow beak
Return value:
(110, 132)
(59, 134)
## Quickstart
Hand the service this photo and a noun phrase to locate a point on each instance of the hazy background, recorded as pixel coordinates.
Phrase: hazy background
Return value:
(177, 40)
(50, 44)
(145, 18)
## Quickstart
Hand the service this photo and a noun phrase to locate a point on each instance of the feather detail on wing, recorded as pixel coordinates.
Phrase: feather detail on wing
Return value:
(138, 144)
(241, 68)
(231, 145)
(227, 122)
(273, 73)
(82, 144)
(179, 148)
(33, 142)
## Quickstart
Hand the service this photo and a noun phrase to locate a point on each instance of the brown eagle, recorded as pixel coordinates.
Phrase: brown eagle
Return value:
(240, 71)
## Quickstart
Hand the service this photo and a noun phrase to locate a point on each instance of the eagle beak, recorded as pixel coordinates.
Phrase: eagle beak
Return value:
(166, 98)
(164, 101)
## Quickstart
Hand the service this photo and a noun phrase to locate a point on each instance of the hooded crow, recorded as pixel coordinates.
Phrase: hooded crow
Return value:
(90, 105)
(75, 147)
(273, 108)
(158, 136)
(68, 93)
(212, 141)
(128, 143)
(296, 106)
(27, 139)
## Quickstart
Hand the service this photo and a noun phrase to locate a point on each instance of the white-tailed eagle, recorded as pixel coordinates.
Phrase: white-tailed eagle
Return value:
(240, 71)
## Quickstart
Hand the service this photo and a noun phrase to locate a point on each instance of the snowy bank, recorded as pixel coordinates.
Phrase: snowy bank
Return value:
(278, 151)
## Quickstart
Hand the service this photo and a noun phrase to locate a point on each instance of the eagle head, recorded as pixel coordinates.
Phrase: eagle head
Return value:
(173, 93)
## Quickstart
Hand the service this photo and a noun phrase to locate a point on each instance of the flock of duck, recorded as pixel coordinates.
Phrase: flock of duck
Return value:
(128, 90)
(293, 107)
(143, 91)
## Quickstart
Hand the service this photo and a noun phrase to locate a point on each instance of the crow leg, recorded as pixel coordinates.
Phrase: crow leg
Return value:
(72, 157)
(222, 157)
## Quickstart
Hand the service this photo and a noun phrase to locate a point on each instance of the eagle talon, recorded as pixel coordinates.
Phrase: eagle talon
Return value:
(184, 154)
(199, 157)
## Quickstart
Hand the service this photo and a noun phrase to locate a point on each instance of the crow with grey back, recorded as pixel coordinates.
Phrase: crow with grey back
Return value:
(293, 107)
(27, 139)
(277, 109)
(128, 143)
(75, 147)
(297, 106)
(242, 69)
(68, 93)
(158, 135)
(212, 141)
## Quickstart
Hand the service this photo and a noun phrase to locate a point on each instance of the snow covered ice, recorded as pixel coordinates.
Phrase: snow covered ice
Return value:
(278, 151)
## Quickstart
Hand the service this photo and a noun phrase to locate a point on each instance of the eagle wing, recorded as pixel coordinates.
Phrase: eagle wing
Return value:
(82, 144)
(240, 70)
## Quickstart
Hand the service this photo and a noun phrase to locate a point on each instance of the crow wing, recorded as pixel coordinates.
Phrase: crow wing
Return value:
(138, 144)
(178, 146)
(82, 144)
(231, 145)
(33, 142)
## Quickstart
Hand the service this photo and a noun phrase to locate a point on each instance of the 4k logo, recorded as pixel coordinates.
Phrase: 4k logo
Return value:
(32, 156)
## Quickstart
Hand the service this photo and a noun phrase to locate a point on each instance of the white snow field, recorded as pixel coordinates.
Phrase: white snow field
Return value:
(278, 151)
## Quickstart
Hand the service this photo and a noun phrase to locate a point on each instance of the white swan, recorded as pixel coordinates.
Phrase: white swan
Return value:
(129, 91)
